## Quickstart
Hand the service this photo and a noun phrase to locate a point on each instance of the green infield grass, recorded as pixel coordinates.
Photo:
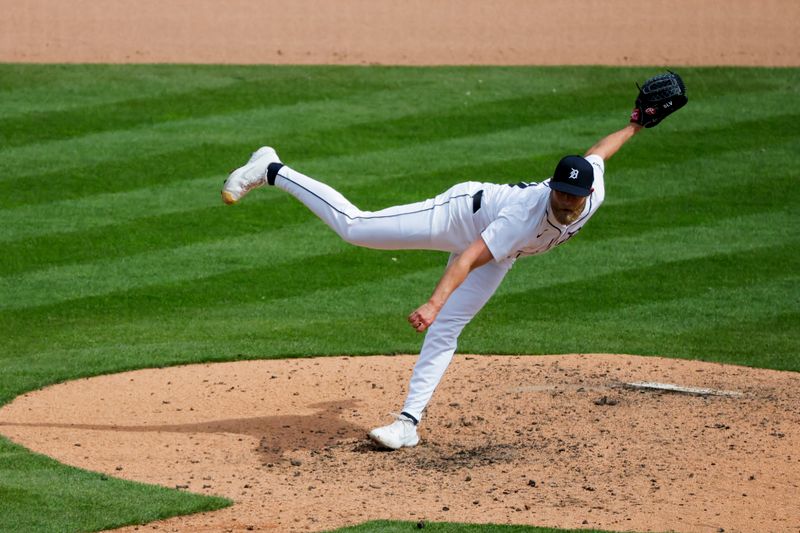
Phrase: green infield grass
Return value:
(118, 253)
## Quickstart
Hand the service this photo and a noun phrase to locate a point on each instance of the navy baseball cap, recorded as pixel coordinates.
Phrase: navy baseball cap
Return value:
(573, 175)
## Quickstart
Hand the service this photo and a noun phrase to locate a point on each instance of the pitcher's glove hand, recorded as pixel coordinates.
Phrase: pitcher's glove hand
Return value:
(659, 97)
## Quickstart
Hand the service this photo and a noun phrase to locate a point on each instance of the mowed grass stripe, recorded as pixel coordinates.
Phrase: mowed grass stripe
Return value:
(715, 324)
(332, 120)
(80, 214)
(279, 88)
(158, 267)
(130, 174)
(147, 111)
(149, 170)
(28, 88)
(127, 303)
(164, 214)
(661, 282)
(261, 211)
(579, 263)
(270, 123)
(101, 277)
(255, 123)
(84, 213)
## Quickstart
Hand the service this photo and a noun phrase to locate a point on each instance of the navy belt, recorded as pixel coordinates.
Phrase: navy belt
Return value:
(477, 199)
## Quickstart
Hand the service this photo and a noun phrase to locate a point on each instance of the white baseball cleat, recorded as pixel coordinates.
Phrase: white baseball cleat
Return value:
(250, 176)
(400, 433)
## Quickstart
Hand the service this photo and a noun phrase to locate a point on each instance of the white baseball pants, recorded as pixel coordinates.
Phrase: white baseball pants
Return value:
(446, 223)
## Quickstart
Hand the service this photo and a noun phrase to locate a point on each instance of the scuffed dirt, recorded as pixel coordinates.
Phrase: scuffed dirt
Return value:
(550, 440)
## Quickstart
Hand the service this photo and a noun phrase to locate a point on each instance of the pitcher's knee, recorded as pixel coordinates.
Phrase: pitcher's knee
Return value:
(359, 233)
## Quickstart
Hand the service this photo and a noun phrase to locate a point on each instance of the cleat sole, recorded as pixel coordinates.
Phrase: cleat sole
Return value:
(228, 198)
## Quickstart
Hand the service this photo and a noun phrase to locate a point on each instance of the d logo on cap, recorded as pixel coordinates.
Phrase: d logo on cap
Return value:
(573, 175)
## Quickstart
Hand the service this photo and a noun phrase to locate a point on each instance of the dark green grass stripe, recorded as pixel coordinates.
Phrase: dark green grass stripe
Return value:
(772, 338)
(340, 270)
(743, 136)
(485, 117)
(662, 327)
(461, 122)
(136, 171)
(663, 281)
(45, 88)
(143, 112)
(207, 224)
(691, 210)
(381, 134)
(263, 284)
(281, 88)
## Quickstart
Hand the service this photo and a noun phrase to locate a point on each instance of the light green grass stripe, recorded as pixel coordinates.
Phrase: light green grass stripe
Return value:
(107, 209)
(606, 256)
(255, 123)
(399, 294)
(84, 213)
(206, 259)
(642, 328)
(77, 87)
(570, 261)
(161, 266)
(382, 105)
(720, 307)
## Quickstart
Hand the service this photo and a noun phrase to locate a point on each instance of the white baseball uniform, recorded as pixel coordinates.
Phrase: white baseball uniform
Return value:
(513, 220)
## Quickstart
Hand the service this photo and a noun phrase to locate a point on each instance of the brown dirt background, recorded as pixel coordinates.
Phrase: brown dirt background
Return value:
(522, 440)
(408, 32)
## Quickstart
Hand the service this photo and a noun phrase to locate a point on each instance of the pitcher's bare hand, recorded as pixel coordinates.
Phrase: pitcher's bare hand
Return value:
(423, 317)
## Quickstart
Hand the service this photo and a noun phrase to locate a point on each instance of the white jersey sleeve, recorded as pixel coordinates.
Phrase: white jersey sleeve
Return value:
(506, 233)
(599, 184)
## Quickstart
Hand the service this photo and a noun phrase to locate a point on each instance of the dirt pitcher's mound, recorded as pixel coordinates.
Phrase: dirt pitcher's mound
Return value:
(553, 440)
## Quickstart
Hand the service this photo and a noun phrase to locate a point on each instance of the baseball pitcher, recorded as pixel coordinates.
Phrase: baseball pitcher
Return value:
(486, 227)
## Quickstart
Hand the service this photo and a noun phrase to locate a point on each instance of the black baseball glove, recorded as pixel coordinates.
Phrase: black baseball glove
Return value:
(659, 97)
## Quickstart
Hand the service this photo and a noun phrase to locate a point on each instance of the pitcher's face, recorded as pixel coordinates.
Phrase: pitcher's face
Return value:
(566, 207)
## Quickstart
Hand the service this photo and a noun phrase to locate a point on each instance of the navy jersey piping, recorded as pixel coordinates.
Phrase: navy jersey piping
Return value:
(371, 217)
